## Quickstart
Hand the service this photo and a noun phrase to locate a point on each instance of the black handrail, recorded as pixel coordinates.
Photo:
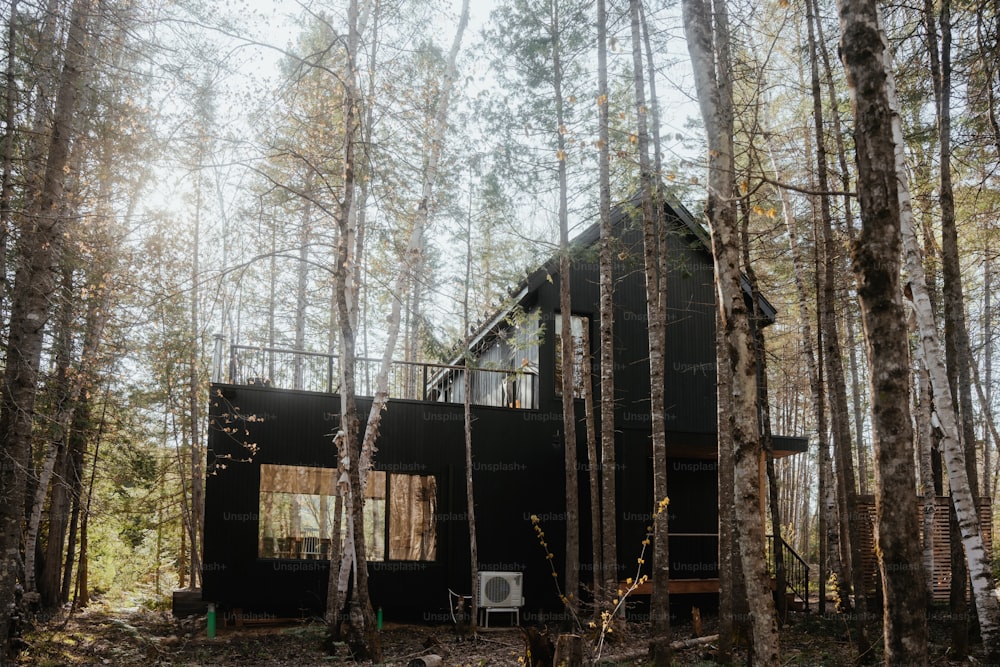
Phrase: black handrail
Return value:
(796, 569)
(422, 381)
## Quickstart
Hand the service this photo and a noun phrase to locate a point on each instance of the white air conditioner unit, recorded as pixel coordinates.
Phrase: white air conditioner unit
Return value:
(500, 592)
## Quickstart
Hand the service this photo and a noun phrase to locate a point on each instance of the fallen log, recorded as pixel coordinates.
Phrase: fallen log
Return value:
(674, 646)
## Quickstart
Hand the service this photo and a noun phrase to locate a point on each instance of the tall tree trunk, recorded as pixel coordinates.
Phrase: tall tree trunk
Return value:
(567, 350)
(815, 383)
(470, 497)
(956, 335)
(349, 254)
(609, 555)
(713, 82)
(656, 318)
(850, 524)
(363, 639)
(196, 520)
(760, 357)
(33, 288)
(986, 402)
(876, 264)
(845, 182)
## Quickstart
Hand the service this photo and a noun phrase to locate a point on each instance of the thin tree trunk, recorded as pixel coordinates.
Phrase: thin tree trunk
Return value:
(845, 176)
(196, 520)
(956, 335)
(985, 402)
(609, 556)
(302, 274)
(74, 487)
(470, 497)
(757, 321)
(593, 467)
(876, 255)
(815, 384)
(660, 599)
(81, 598)
(850, 530)
(572, 563)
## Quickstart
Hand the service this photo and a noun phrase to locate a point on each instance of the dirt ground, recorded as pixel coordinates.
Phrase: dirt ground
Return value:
(101, 635)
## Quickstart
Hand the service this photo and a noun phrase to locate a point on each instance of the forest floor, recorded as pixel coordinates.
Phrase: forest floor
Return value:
(101, 635)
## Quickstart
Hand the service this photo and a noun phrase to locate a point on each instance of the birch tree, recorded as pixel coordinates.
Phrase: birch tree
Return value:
(362, 460)
(655, 281)
(963, 500)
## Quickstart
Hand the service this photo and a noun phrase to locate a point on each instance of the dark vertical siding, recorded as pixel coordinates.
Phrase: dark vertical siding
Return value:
(518, 458)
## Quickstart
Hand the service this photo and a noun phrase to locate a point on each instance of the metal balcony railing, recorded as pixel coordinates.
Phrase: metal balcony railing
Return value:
(437, 383)
(796, 569)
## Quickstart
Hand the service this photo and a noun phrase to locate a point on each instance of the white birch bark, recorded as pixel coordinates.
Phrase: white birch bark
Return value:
(413, 256)
(932, 355)
(408, 272)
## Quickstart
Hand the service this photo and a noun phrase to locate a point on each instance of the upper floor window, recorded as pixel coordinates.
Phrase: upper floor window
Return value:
(581, 356)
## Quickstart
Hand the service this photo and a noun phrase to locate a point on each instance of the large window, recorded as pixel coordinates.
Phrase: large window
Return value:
(581, 357)
(297, 505)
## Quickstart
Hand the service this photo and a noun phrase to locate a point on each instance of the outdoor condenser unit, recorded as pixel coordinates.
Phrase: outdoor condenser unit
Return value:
(500, 592)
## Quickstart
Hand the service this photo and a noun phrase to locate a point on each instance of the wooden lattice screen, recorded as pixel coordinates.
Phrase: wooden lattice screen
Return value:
(941, 575)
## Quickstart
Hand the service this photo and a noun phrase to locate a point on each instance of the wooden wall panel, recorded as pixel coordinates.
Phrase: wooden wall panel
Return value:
(941, 536)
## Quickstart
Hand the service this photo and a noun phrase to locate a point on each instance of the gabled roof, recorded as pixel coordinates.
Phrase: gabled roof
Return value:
(591, 236)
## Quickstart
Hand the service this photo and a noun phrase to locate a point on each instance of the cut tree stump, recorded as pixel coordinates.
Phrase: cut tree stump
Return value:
(569, 651)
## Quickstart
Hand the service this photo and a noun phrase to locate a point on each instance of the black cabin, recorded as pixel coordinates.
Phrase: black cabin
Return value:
(269, 506)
